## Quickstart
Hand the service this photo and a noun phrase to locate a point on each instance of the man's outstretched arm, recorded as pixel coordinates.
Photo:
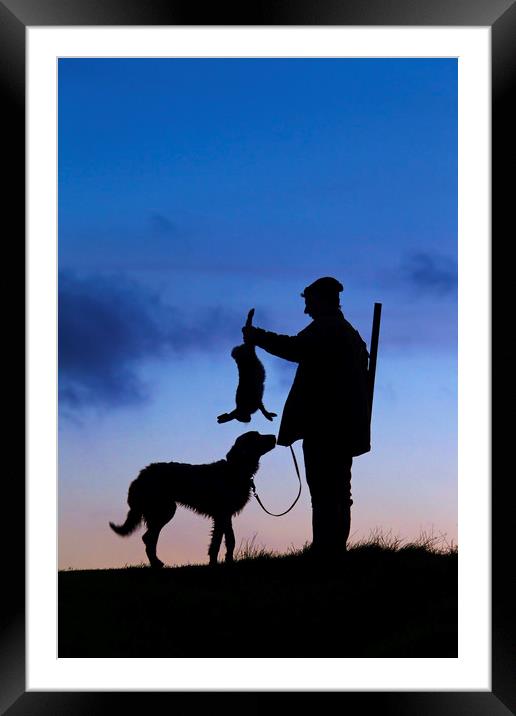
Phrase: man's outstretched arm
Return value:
(287, 347)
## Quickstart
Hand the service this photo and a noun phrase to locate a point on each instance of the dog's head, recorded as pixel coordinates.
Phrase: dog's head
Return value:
(250, 446)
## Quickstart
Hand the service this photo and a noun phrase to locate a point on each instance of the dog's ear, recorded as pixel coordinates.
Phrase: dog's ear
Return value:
(237, 453)
(241, 449)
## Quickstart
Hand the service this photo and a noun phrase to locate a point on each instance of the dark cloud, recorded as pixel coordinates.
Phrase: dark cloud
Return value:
(430, 273)
(109, 327)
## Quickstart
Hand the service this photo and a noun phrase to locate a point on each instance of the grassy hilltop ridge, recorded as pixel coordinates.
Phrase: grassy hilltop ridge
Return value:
(385, 600)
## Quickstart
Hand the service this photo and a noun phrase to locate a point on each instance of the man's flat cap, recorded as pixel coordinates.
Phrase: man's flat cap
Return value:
(324, 287)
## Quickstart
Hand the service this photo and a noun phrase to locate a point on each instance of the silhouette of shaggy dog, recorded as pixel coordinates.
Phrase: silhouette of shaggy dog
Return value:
(218, 490)
(251, 379)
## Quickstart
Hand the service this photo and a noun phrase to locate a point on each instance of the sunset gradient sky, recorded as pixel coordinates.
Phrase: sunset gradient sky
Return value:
(191, 190)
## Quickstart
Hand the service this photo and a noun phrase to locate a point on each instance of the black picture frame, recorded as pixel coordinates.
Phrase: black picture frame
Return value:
(15, 17)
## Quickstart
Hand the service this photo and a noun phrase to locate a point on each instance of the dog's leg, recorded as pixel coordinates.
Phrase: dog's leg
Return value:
(155, 524)
(150, 539)
(216, 539)
(266, 413)
(229, 537)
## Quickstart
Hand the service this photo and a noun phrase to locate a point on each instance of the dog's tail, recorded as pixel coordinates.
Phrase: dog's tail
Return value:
(133, 519)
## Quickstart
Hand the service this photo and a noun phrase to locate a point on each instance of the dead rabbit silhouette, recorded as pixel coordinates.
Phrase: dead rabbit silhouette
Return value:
(251, 379)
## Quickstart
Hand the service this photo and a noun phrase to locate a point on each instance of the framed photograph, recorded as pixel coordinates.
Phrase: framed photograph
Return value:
(182, 169)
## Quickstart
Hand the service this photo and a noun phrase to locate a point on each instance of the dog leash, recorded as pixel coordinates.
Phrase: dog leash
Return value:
(298, 494)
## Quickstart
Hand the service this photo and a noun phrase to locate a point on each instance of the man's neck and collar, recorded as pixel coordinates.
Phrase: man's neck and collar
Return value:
(325, 314)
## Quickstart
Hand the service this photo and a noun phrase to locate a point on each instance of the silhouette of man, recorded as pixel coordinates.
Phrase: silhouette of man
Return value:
(327, 407)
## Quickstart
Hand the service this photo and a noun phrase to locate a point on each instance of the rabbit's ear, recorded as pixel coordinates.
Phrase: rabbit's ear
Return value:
(250, 315)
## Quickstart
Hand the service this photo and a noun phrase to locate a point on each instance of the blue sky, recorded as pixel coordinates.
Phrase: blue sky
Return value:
(193, 190)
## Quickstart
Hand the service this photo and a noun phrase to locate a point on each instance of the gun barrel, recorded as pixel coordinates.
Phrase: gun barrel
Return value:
(373, 352)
